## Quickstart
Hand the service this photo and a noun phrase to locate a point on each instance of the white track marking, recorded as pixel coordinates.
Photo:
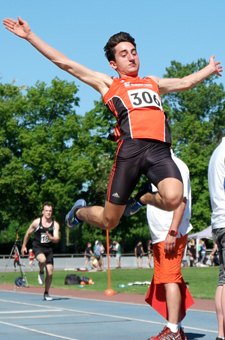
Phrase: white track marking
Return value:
(32, 311)
(108, 315)
(37, 317)
(36, 331)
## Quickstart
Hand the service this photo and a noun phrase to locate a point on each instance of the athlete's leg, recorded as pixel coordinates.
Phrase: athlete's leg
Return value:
(168, 197)
(125, 174)
(173, 301)
(219, 297)
(49, 273)
(42, 262)
(219, 238)
(162, 171)
(106, 217)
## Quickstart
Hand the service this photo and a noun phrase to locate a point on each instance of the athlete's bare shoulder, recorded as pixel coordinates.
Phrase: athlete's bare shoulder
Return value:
(156, 79)
(104, 84)
(56, 224)
(35, 223)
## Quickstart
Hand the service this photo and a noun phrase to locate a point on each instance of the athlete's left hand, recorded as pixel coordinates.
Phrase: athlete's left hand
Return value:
(216, 64)
(170, 243)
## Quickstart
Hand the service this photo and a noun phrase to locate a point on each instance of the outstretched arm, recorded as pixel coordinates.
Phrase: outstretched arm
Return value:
(168, 85)
(99, 81)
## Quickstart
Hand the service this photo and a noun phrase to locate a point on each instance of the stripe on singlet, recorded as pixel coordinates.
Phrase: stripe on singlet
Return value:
(113, 171)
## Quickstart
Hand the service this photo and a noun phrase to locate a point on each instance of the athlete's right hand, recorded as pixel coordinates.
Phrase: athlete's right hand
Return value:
(23, 250)
(20, 27)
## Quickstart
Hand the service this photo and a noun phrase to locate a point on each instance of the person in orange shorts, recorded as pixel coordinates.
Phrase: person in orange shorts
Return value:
(168, 293)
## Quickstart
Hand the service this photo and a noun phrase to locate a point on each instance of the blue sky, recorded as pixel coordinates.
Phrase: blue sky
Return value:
(180, 30)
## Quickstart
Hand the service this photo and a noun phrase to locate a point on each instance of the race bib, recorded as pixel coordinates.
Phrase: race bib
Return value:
(144, 97)
(44, 238)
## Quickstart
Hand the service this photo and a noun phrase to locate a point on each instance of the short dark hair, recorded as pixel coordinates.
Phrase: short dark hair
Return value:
(48, 204)
(114, 40)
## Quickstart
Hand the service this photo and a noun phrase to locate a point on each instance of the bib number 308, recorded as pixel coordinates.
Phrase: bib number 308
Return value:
(144, 97)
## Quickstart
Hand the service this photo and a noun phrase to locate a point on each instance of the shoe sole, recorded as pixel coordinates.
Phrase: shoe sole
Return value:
(81, 203)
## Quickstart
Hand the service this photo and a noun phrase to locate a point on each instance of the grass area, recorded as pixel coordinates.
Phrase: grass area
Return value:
(202, 282)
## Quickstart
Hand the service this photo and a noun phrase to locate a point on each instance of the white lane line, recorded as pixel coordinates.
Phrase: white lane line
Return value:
(103, 301)
(39, 317)
(32, 311)
(110, 316)
(36, 331)
(29, 304)
(134, 319)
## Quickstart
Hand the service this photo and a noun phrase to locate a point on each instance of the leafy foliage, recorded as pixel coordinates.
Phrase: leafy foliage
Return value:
(49, 153)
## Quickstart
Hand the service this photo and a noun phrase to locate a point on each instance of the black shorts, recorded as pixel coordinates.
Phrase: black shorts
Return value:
(136, 157)
(47, 251)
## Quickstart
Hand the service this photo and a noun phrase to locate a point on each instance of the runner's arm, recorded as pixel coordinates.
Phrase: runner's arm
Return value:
(30, 230)
(99, 81)
(167, 85)
(55, 237)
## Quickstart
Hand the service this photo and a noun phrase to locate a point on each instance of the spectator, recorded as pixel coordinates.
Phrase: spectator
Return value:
(192, 252)
(202, 251)
(117, 250)
(31, 259)
(139, 252)
(94, 263)
(95, 245)
(16, 260)
(168, 293)
(214, 255)
(111, 251)
(102, 253)
(149, 252)
(87, 255)
(216, 179)
(98, 254)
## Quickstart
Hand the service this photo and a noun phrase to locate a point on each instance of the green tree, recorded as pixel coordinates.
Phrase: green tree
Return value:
(197, 125)
(42, 155)
(49, 153)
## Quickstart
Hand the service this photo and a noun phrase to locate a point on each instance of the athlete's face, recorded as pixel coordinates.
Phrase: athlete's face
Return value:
(47, 211)
(127, 60)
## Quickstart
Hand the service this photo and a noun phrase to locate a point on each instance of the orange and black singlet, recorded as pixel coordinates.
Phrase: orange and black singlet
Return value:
(136, 104)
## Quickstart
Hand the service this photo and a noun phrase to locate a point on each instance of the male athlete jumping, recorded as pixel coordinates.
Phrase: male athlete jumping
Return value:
(142, 131)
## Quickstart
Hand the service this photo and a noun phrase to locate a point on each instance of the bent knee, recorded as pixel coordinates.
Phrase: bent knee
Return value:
(110, 224)
(171, 203)
(41, 259)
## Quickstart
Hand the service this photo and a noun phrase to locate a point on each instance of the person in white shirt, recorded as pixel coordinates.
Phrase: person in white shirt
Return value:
(169, 231)
(216, 180)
